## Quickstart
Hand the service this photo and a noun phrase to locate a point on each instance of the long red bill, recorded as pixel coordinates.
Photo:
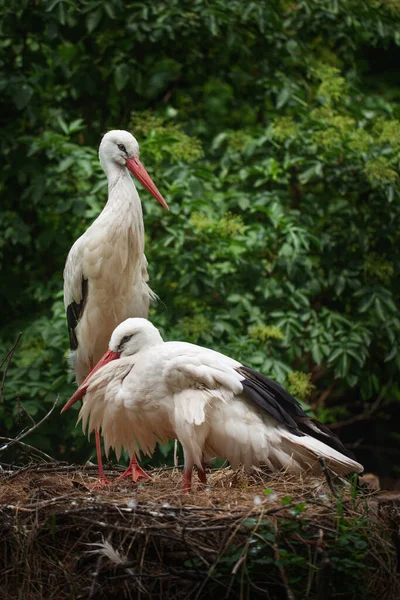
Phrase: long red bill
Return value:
(137, 169)
(82, 389)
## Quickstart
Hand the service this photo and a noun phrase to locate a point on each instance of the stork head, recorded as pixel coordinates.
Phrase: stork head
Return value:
(129, 338)
(133, 335)
(119, 147)
(116, 146)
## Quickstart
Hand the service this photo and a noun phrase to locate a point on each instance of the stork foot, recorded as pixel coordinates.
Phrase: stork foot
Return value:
(135, 471)
(100, 483)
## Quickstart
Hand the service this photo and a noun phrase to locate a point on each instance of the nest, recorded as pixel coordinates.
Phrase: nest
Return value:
(259, 536)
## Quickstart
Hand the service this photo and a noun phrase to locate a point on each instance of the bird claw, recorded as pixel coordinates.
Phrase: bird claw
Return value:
(100, 483)
(135, 471)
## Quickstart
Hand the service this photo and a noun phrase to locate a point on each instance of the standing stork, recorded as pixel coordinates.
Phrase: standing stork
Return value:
(105, 275)
(145, 389)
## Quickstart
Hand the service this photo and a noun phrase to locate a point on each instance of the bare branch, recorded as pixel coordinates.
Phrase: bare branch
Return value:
(28, 414)
(322, 398)
(27, 446)
(7, 360)
(27, 432)
(281, 568)
(366, 414)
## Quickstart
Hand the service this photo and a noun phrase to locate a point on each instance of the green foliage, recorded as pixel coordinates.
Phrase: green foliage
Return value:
(164, 139)
(332, 86)
(300, 384)
(275, 139)
(281, 551)
(265, 332)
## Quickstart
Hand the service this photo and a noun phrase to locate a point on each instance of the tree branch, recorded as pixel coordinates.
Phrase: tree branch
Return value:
(8, 358)
(366, 414)
(25, 433)
(27, 446)
(322, 398)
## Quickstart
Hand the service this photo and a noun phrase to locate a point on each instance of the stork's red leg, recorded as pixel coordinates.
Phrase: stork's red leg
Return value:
(187, 473)
(202, 473)
(187, 480)
(135, 471)
(102, 479)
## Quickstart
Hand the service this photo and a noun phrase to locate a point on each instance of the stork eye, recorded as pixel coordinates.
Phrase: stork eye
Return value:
(122, 148)
(125, 339)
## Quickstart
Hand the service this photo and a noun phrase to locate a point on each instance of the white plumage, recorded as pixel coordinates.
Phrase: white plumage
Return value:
(145, 390)
(105, 276)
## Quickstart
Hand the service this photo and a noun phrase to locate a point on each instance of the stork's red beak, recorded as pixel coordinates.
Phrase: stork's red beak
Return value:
(81, 391)
(137, 169)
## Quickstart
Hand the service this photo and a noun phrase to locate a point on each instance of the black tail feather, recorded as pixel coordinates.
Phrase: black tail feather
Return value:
(282, 406)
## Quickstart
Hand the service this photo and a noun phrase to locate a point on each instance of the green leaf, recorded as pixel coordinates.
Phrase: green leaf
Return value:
(342, 367)
(61, 13)
(379, 307)
(286, 500)
(52, 5)
(316, 354)
(109, 10)
(22, 95)
(313, 171)
(244, 203)
(335, 354)
(66, 163)
(121, 76)
(93, 19)
(283, 97)
(63, 126)
(392, 354)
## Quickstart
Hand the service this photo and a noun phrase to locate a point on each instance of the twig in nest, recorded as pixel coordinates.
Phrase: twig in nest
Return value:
(327, 476)
(289, 593)
(96, 572)
(27, 432)
(176, 460)
(8, 358)
(324, 573)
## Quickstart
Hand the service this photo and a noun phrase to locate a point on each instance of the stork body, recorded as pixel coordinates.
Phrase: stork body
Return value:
(105, 276)
(145, 389)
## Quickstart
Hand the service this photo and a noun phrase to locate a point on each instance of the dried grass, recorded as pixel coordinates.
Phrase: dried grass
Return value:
(61, 540)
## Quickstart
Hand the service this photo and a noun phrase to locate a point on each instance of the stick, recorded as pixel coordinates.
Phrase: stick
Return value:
(327, 476)
(32, 448)
(8, 358)
(281, 568)
(35, 426)
(22, 407)
(175, 454)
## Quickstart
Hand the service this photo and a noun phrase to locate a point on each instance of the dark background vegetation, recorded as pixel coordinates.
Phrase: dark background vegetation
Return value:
(272, 130)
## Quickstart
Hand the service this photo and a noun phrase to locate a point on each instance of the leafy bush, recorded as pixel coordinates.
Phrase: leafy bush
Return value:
(275, 140)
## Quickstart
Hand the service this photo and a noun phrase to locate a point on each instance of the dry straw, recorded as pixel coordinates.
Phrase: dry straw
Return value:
(239, 538)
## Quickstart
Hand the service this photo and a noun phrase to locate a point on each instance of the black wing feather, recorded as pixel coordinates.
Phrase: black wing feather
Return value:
(281, 405)
(74, 313)
(266, 400)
